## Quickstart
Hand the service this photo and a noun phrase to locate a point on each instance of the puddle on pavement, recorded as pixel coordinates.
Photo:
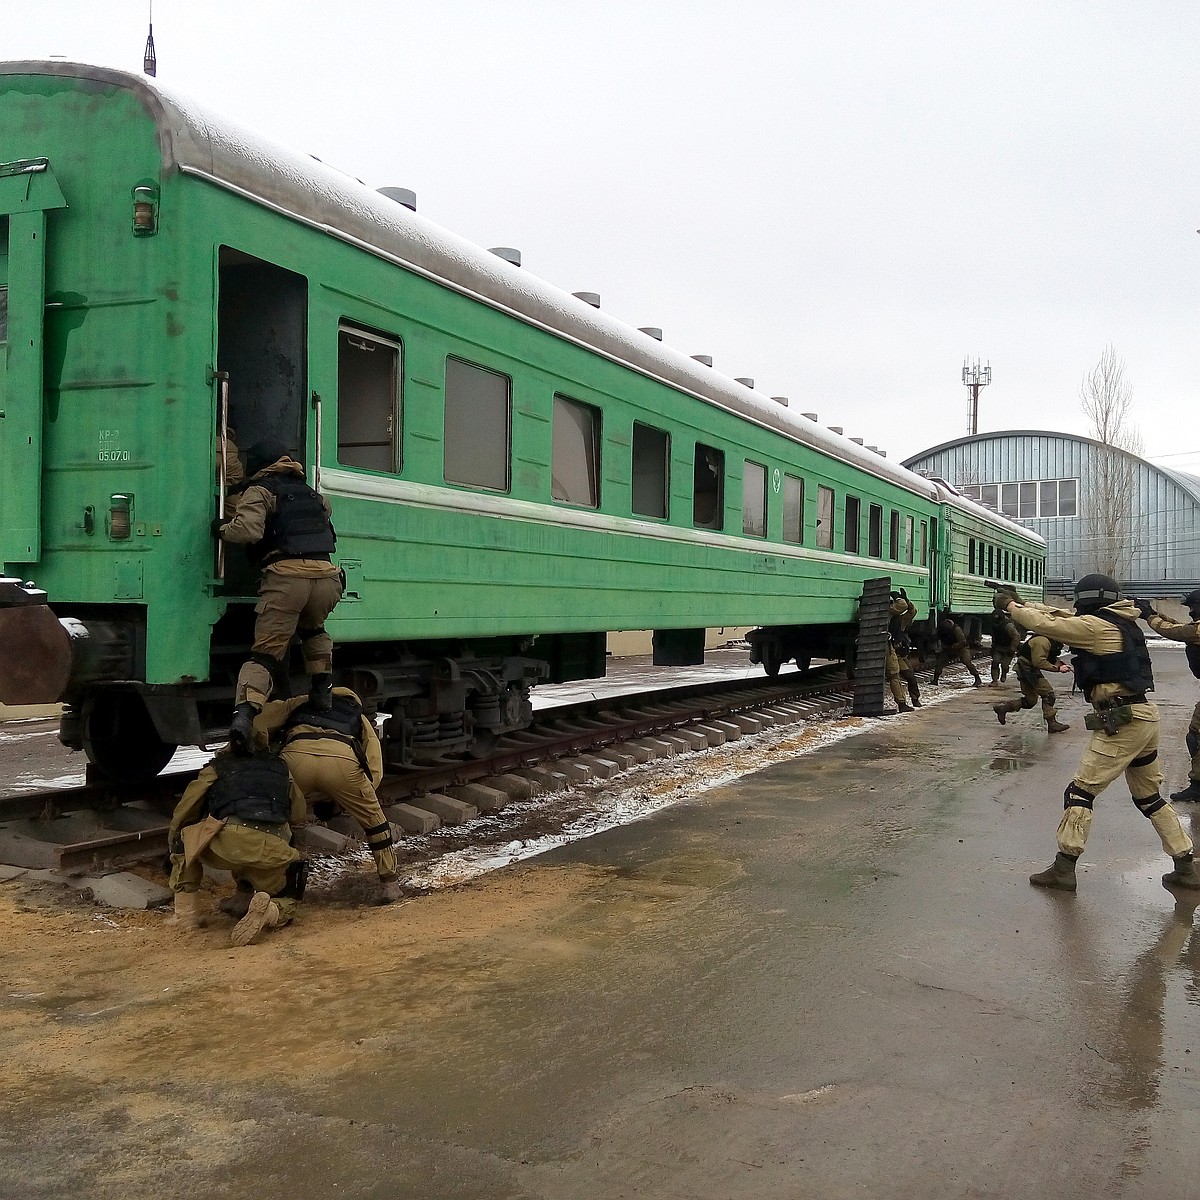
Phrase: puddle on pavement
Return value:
(1003, 762)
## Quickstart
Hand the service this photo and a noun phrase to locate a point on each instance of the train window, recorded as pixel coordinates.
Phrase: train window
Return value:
(894, 536)
(368, 397)
(651, 459)
(754, 499)
(1029, 498)
(708, 488)
(478, 430)
(575, 455)
(875, 531)
(991, 561)
(924, 544)
(971, 556)
(824, 517)
(908, 539)
(851, 530)
(793, 510)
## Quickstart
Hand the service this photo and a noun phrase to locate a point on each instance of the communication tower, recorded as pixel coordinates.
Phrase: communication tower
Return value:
(975, 377)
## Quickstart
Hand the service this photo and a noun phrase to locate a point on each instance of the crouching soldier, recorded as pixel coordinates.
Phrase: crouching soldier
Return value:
(336, 752)
(953, 647)
(236, 816)
(1035, 655)
(1112, 667)
(1187, 632)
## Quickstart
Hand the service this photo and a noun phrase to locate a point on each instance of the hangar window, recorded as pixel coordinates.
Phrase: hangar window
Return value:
(825, 517)
(793, 510)
(1029, 498)
(1010, 494)
(478, 430)
(924, 543)
(894, 536)
(853, 511)
(368, 400)
(908, 539)
(575, 456)
(989, 494)
(754, 499)
(708, 488)
(651, 458)
(875, 531)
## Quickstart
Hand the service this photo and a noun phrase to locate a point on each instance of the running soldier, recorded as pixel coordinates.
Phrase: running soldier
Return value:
(953, 647)
(284, 525)
(1187, 632)
(1034, 656)
(1112, 667)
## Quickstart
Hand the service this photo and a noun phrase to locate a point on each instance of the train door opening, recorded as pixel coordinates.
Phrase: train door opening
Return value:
(262, 347)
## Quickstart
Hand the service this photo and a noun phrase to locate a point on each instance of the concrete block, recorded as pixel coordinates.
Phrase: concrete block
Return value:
(346, 826)
(7, 873)
(217, 875)
(674, 740)
(485, 799)
(20, 850)
(452, 812)
(659, 747)
(745, 723)
(412, 819)
(513, 786)
(320, 839)
(715, 736)
(695, 738)
(764, 718)
(125, 890)
(600, 768)
(544, 779)
(635, 750)
(624, 761)
(573, 769)
(731, 731)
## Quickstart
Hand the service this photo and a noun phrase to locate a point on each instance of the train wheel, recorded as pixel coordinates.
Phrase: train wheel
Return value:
(120, 740)
(772, 658)
(482, 745)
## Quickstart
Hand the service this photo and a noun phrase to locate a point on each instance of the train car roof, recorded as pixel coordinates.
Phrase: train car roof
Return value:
(200, 143)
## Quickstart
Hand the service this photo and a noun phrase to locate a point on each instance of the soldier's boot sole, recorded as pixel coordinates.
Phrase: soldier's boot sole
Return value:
(263, 913)
(1060, 874)
(1184, 875)
(1191, 792)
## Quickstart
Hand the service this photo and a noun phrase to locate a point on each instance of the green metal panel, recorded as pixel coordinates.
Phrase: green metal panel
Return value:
(27, 189)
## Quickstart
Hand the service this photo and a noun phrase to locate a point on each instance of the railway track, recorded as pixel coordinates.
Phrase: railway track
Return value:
(94, 828)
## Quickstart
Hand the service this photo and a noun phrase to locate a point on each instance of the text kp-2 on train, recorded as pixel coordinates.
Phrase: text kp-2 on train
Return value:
(513, 472)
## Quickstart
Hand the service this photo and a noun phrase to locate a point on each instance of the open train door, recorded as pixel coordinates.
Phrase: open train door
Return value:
(28, 190)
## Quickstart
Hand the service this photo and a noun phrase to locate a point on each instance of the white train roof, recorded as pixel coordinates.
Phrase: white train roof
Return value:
(198, 142)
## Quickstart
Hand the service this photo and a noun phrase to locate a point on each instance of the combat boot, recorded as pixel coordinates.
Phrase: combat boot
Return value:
(238, 904)
(1053, 725)
(187, 910)
(1059, 874)
(903, 708)
(1184, 875)
(320, 691)
(263, 913)
(1191, 792)
(1004, 708)
(241, 728)
(389, 891)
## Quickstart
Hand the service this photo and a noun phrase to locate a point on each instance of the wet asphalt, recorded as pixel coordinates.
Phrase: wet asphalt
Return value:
(827, 979)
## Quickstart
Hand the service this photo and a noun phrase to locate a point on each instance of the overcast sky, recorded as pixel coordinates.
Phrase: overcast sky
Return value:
(841, 199)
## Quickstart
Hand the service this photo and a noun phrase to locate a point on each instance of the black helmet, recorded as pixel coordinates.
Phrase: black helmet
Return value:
(1095, 591)
(263, 453)
(1192, 601)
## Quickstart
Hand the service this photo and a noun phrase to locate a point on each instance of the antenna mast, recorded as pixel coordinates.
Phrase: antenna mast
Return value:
(149, 61)
(975, 377)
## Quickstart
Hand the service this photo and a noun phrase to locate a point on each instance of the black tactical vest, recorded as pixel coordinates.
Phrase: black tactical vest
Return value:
(1193, 657)
(298, 528)
(1131, 667)
(1024, 651)
(251, 787)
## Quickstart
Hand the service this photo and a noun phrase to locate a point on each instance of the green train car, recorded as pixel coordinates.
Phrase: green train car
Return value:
(513, 472)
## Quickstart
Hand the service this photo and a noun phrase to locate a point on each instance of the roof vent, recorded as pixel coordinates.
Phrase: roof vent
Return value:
(834, 428)
(883, 454)
(651, 331)
(810, 416)
(507, 253)
(745, 380)
(873, 449)
(405, 196)
(858, 440)
(780, 400)
(703, 359)
(592, 298)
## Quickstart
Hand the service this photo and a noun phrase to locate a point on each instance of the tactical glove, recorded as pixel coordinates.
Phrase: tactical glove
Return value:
(1002, 598)
(1144, 607)
(218, 523)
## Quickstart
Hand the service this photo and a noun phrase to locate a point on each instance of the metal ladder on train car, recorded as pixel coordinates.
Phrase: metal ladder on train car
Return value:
(870, 658)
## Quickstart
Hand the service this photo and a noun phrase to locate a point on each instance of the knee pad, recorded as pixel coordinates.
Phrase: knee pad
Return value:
(275, 667)
(1145, 760)
(1150, 805)
(379, 837)
(1077, 797)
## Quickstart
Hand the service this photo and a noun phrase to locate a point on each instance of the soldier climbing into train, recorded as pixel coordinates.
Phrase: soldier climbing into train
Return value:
(1035, 655)
(896, 665)
(953, 647)
(336, 753)
(1006, 638)
(236, 816)
(1112, 667)
(1187, 632)
(284, 525)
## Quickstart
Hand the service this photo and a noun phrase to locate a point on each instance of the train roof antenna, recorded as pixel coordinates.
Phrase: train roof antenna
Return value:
(149, 61)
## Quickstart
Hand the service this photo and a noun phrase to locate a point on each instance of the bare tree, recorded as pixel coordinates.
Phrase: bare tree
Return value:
(1106, 397)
